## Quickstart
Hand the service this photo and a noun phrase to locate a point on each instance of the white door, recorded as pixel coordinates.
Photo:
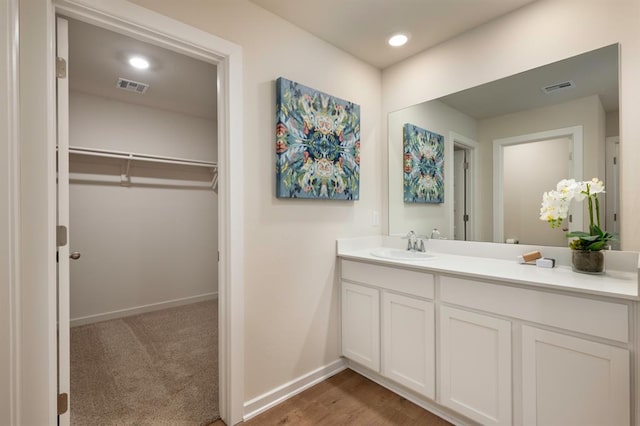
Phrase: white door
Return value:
(361, 325)
(572, 381)
(475, 365)
(460, 194)
(408, 342)
(62, 51)
(612, 186)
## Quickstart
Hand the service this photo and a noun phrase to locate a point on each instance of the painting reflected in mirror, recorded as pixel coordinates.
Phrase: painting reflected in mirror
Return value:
(509, 141)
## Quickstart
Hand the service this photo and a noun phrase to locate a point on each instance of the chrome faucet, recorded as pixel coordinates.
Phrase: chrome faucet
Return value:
(412, 242)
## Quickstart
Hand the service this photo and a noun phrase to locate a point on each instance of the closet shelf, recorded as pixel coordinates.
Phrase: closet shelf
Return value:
(131, 156)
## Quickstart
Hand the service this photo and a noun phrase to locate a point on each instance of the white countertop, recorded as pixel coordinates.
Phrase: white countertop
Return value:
(614, 283)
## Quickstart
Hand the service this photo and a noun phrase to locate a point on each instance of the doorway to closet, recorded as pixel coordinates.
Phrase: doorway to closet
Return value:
(143, 210)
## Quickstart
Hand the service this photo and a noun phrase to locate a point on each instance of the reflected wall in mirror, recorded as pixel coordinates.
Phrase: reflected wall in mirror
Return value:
(508, 141)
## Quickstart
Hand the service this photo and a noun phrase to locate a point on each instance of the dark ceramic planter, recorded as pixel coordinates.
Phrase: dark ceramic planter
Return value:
(588, 262)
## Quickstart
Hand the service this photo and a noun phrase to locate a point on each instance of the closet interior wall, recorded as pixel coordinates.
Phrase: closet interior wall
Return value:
(152, 243)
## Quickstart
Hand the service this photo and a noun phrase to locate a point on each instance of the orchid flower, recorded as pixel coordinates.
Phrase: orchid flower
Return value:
(555, 208)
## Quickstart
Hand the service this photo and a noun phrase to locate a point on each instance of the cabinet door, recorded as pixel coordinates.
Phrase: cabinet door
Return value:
(475, 365)
(572, 381)
(408, 329)
(361, 325)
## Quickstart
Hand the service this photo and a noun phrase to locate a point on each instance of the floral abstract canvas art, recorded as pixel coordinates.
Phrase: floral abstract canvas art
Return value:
(317, 144)
(423, 165)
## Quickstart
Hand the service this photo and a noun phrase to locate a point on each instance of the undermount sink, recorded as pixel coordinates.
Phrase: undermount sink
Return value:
(398, 254)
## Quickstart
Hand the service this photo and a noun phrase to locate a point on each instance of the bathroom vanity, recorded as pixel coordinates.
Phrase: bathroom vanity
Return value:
(473, 336)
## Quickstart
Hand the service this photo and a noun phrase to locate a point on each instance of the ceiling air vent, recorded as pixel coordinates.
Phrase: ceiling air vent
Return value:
(132, 86)
(558, 86)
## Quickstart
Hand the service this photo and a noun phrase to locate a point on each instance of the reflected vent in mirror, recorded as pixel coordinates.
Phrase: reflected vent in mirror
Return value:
(558, 86)
(131, 86)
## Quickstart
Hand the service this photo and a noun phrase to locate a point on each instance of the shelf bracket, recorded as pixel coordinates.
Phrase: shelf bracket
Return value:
(125, 176)
(214, 180)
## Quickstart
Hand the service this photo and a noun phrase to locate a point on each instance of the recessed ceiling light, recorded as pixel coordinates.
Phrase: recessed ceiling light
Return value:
(397, 40)
(139, 63)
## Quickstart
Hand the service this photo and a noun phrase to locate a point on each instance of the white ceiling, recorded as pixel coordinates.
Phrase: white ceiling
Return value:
(362, 27)
(594, 72)
(178, 83)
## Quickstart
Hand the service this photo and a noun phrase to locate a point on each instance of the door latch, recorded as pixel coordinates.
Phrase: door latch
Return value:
(61, 236)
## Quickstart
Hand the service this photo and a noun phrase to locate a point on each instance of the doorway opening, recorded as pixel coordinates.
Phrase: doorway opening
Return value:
(143, 217)
(146, 25)
(518, 183)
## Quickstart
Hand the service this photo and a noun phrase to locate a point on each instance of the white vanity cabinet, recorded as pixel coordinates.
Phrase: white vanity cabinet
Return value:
(408, 342)
(475, 365)
(361, 324)
(563, 379)
(572, 381)
(388, 314)
(491, 351)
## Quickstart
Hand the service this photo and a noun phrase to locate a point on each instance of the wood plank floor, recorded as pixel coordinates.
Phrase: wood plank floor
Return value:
(346, 399)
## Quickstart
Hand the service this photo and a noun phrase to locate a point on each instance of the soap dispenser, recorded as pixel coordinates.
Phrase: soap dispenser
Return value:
(435, 234)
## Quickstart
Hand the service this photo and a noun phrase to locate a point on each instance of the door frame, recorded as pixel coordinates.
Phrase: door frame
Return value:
(63, 283)
(10, 215)
(576, 135)
(471, 146)
(143, 24)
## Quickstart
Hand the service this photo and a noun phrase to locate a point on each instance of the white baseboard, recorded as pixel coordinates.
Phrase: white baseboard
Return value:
(280, 394)
(427, 404)
(89, 319)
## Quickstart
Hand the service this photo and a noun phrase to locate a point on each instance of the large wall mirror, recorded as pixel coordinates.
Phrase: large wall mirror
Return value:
(507, 142)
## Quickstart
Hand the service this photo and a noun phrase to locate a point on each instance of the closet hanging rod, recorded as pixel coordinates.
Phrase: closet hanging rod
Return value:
(140, 157)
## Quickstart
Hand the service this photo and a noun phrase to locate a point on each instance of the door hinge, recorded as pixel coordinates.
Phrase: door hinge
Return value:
(63, 403)
(615, 160)
(61, 67)
(61, 236)
(570, 218)
(466, 165)
(615, 217)
(465, 218)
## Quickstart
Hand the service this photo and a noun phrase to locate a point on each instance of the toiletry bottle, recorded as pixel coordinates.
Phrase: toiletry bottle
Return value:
(435, 234)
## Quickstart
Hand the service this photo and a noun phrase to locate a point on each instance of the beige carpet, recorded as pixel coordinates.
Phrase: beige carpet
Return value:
(158, 368)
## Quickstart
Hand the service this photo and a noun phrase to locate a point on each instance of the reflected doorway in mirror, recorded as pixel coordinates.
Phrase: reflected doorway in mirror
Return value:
(524, 167)
(465, 168)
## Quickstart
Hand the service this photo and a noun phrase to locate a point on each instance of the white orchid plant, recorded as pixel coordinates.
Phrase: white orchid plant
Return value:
(555, 208)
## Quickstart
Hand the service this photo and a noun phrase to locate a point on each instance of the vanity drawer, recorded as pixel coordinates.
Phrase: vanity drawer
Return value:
(595, 317)
(415, 283)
